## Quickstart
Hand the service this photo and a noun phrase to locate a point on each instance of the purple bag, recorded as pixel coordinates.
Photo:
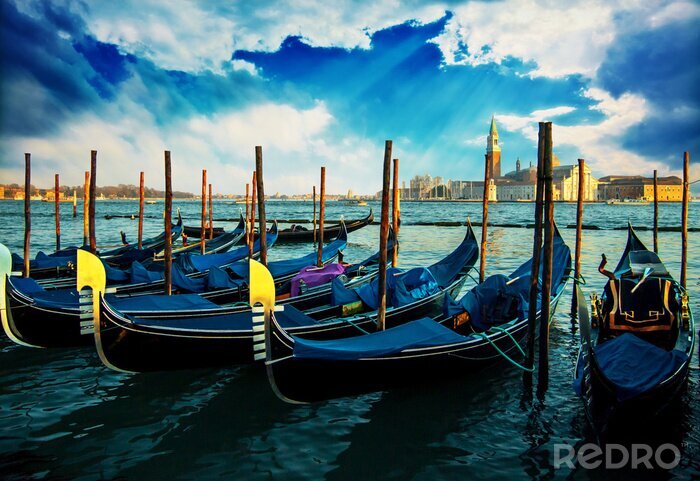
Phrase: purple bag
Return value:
(315, 276)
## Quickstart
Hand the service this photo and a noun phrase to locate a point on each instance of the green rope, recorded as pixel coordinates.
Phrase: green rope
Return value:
(500, 329)
(507, 358)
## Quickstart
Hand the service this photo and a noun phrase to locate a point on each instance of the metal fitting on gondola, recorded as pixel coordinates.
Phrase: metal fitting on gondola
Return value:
(685, 310)
(596, 306)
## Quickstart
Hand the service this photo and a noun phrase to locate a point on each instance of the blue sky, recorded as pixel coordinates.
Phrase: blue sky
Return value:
(319, 84)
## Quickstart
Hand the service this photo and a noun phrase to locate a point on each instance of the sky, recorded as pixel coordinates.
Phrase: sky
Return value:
(326, 83)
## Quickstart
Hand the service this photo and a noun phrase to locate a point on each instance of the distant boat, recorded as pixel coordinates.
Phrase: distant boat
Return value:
(355, 202)
(627, 202)
(151, 202)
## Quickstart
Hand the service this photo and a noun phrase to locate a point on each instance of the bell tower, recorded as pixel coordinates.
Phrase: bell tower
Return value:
(493, 150)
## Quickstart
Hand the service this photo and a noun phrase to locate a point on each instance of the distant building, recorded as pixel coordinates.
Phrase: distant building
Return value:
(565, 178)
(613, 187)
(493, 151)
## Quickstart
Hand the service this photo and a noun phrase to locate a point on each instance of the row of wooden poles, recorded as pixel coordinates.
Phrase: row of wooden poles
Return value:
(544, 221)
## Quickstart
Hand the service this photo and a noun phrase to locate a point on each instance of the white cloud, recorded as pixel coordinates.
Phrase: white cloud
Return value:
(598, 143)
(560, 38)
(244, 66)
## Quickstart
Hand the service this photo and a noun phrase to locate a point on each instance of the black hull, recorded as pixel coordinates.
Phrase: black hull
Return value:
(126, 346)
(329, 232)
(304, 381)
(42, 327)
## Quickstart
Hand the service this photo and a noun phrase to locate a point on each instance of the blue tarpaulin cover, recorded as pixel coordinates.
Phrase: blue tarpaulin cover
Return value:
(485, 293)
(140, 274)
(218, 278)
(421, 333)
(187, 284)
(160, 302)
(401, 288)
(633, 365)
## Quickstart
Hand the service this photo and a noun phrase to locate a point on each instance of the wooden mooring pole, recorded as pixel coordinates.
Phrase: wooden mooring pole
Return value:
(252, 216)
(211, 215)
(656, 212)
(141, 209)
(543, 367)
(485, 218)
(314, 200)
(579, 232)
(684, 218)
(262, 223)
(75, 204)
(322, 216)
(86, 209)
(395, 213)
(203, 224)
(27, 209)
(91, 205)
(168, 253)
(383, 237)
(57, 211)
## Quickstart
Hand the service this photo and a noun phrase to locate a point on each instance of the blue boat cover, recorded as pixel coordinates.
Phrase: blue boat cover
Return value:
(218, 278)
(199, 263)
(115, 275)
(292, 266)
(402, 288)
(633, 365)
(424, 332)
(140, 274)
(26, 285)
(487, 292)
(160, 302)
(187, 284)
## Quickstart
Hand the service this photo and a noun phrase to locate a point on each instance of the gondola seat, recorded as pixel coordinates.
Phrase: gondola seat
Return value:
(634, 365)
(648, 312)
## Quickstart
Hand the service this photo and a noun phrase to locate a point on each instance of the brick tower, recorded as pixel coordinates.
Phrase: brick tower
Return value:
(493, 151)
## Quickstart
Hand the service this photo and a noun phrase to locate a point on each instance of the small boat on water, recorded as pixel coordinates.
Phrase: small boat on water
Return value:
(627, 201)
(487, 324)
(299, 233)
(355, 202)
(636, 347)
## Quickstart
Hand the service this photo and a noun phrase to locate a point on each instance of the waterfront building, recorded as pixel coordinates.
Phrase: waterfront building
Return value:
(612, 187)
(493, 151)
(565, 178)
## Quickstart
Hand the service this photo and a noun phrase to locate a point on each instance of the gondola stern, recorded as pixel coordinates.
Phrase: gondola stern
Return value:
(91, 274)
(5, 310)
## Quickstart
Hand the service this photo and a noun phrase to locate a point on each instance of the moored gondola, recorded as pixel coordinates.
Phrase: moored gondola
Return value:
(36, 316)
(488, 324)
(61, 264)
(636, 348)
(298, 233)
(127, 342)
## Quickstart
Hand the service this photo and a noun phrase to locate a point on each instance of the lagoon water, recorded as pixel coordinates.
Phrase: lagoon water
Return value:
(65, 416)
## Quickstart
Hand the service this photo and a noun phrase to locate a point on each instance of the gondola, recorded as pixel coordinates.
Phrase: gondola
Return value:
(62, 263)
(35, 316)
(301, 234)
(489, 323)
(136, 344)
(635, 350)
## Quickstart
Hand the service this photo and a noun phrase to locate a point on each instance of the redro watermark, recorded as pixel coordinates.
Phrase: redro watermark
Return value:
(616, 456)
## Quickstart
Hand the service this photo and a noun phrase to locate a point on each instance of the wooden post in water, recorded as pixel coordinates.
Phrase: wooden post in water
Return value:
(314, 219)
(261, 204)
(322, 215)
(395, 215)
(141, 209)
(252, 215)
(211, 215)
(75, 204)
(684, 217)
(656, 212)
(543, 368)
(247, 222)
(86, 209)
(91, 207)
(579, 232)
(168, 253)
(536, 257)
(203, 230)
(484, 218)
(27, 209)
(57, 211)
(383, 236)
